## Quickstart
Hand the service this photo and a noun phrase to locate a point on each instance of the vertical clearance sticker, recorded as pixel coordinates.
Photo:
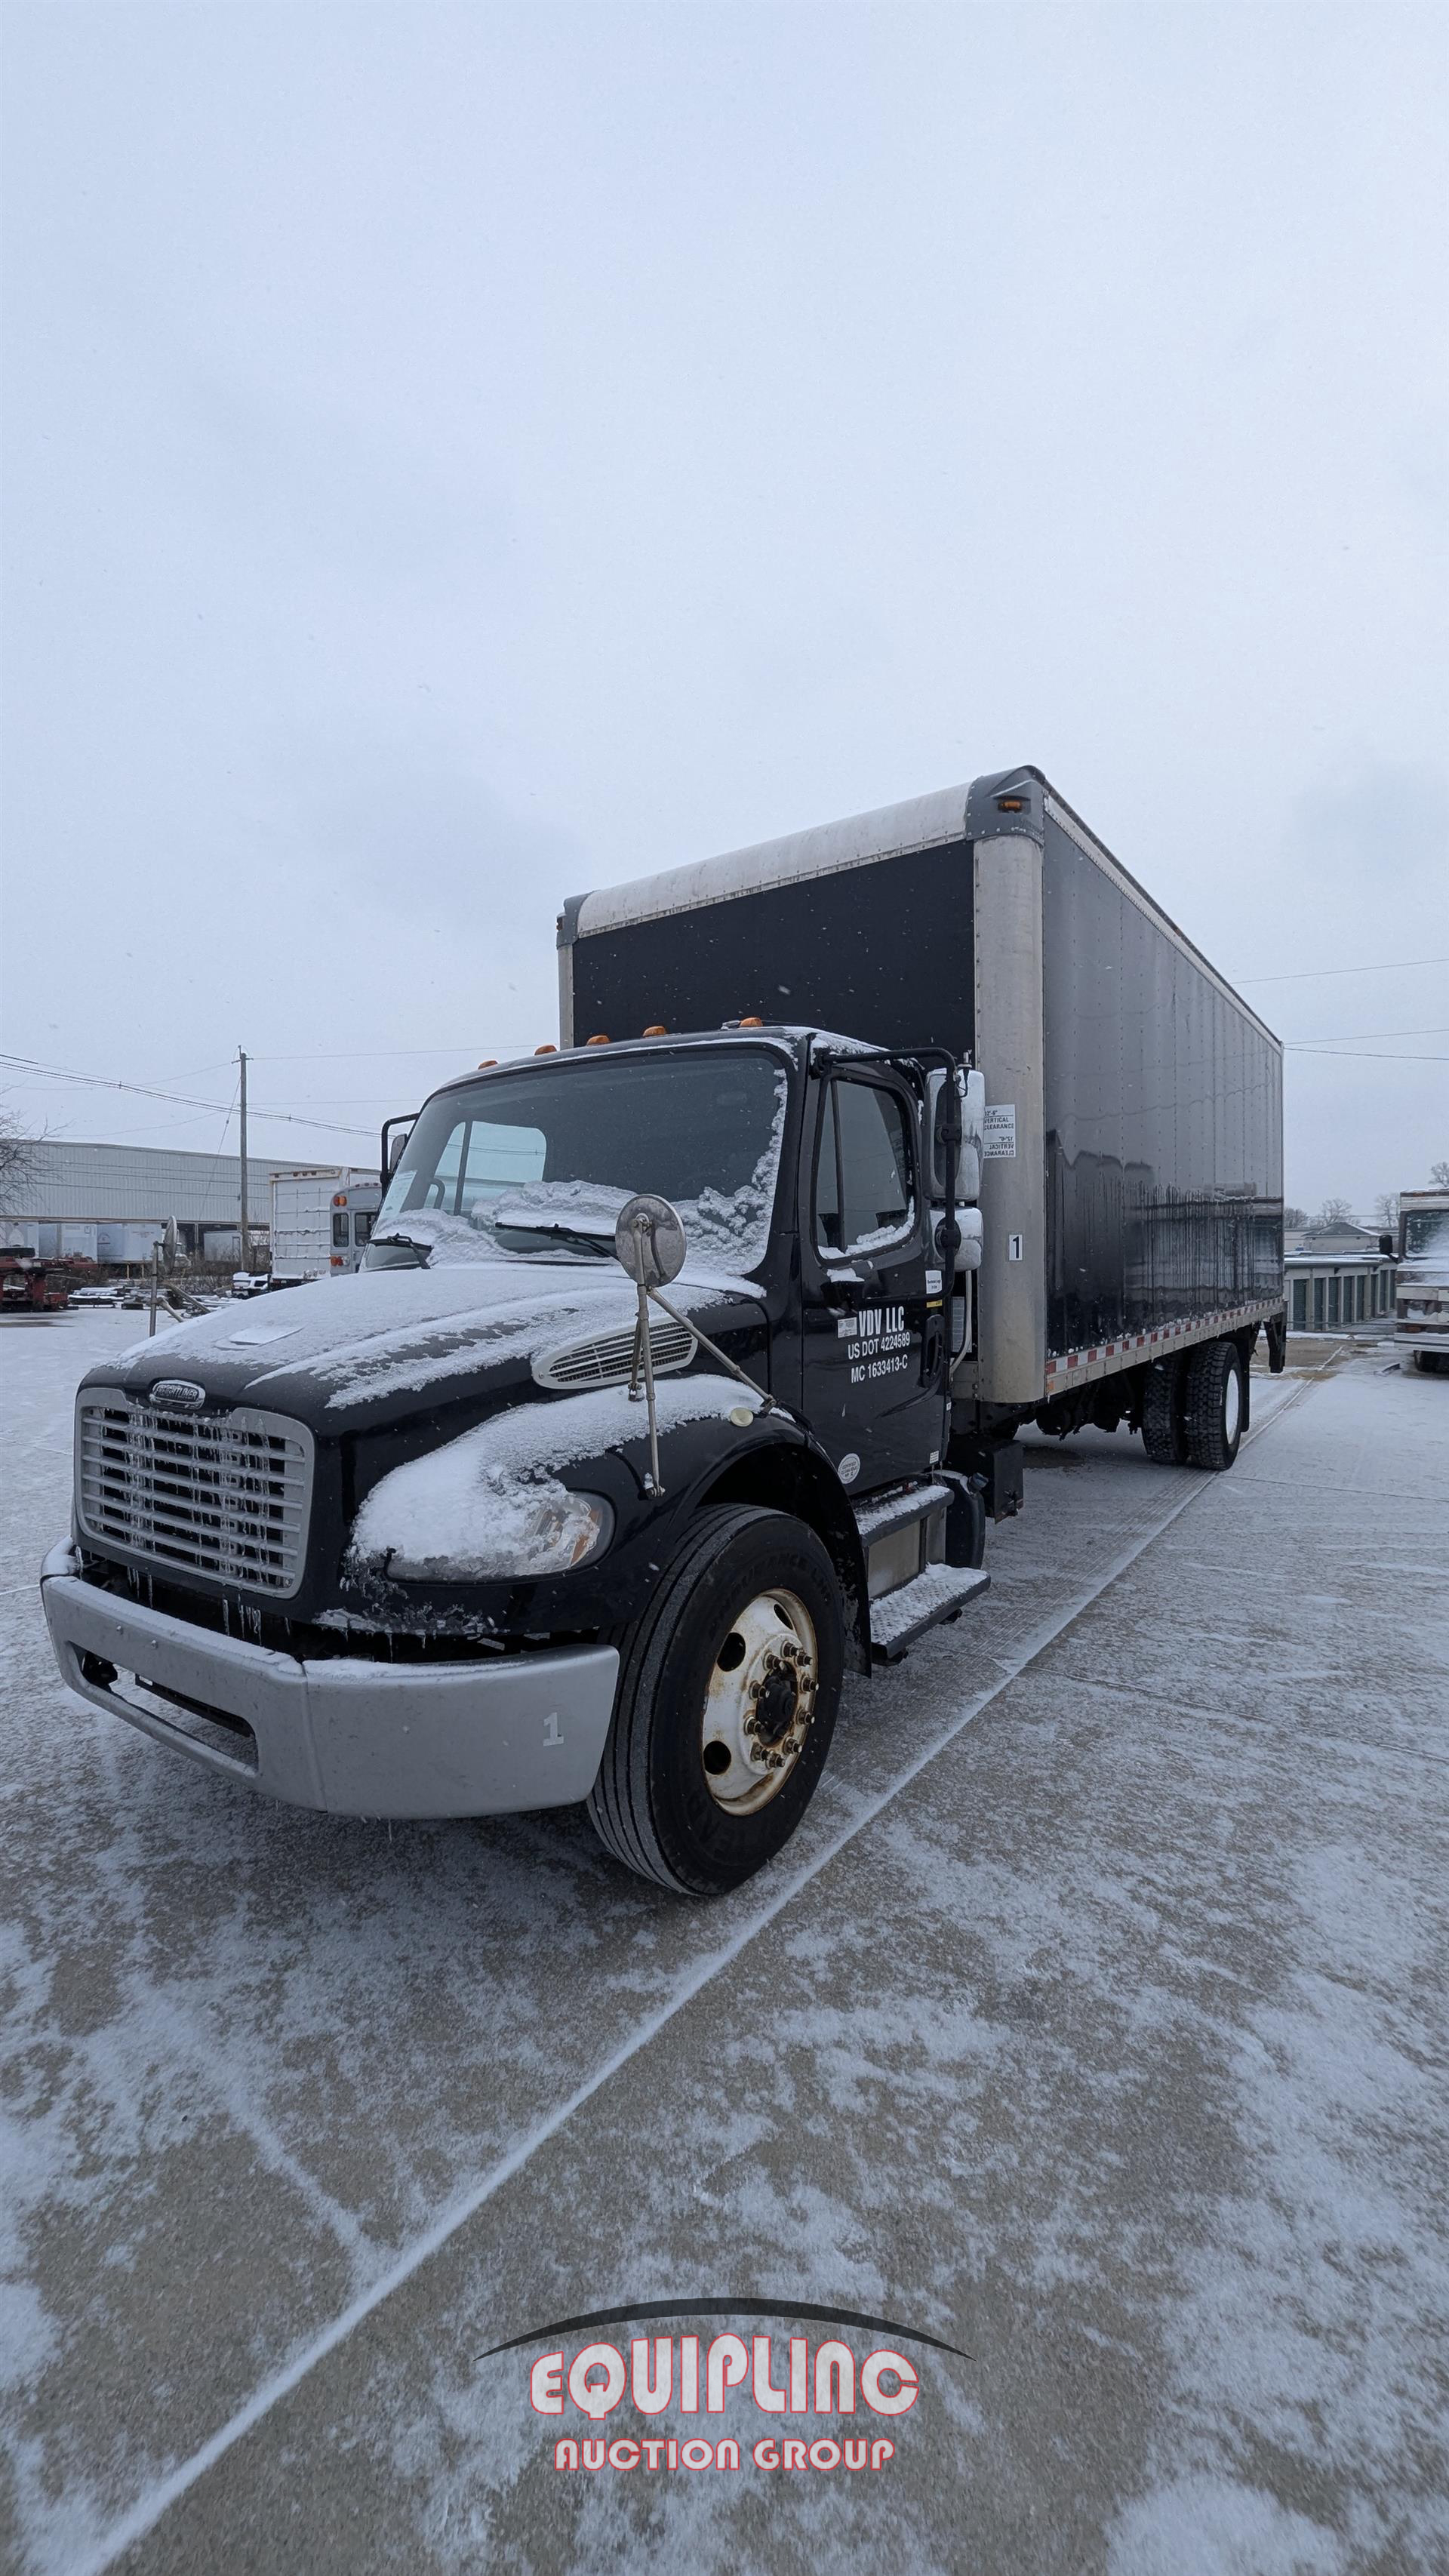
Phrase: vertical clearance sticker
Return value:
(1000, 1133)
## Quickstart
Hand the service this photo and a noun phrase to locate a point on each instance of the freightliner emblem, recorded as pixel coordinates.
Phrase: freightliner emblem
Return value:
(177, 1390)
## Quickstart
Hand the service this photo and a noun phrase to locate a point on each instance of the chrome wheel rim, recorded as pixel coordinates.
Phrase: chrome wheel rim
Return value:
(1232, 1407)
(760, 1701)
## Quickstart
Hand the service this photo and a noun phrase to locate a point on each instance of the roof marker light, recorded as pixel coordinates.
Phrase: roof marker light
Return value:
(546, 1050)
(1011, 804)
(752, 1020)
(487, 1061)
(601, 1040)
(656, 1029)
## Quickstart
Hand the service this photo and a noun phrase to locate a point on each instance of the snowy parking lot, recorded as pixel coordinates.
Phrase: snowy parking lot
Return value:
(1093, 2024)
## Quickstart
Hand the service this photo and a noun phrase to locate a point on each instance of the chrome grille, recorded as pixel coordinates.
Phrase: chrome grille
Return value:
(227, 1494)
(609, 1360)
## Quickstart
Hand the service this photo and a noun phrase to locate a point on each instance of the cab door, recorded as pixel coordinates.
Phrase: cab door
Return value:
(870, 1346)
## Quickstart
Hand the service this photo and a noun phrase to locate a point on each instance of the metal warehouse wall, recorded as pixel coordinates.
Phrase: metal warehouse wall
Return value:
(104, 1184)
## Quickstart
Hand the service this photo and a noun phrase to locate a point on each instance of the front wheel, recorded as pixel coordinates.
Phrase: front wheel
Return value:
(727, 1700)
(1213, 1412)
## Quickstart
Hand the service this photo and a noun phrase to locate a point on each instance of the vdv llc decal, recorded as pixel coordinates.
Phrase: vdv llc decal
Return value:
(691, 2376)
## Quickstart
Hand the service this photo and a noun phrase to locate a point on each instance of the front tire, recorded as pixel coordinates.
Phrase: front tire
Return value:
(728, 1693)
(1214, 1406)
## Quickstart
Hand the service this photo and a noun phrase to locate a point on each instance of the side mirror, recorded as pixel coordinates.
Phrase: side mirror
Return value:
(943, 1126)
(1386, 1246)
(973, 1109)
(960, 1105)
(394, 1145)
(649, 1240)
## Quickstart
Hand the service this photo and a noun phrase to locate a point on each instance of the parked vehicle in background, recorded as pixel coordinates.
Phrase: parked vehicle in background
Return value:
(685, 1369)
(102, 1296)
(1421, 1317)
(321, 1222)
(29, 1285)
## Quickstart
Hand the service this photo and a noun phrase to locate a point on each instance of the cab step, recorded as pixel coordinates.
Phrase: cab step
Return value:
(942, 1592)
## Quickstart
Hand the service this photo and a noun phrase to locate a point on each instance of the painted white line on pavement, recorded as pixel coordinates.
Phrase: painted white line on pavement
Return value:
(149, 2508)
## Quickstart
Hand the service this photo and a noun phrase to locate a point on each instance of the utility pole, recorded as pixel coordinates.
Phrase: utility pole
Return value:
(246, 1232)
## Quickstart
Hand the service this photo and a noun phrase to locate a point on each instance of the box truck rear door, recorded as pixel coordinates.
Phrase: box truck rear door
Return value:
(865, 1391)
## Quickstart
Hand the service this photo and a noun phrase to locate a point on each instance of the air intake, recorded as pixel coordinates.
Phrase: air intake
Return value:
(610, 1360)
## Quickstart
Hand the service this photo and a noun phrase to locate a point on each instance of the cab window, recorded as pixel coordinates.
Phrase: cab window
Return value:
(863, 1194)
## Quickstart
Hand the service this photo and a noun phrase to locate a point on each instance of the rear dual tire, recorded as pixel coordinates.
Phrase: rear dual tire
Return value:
(1164, 1431)
(1213, 1409)
(1193, 1408)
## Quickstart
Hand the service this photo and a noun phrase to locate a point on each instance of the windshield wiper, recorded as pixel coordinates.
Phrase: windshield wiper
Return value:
(553, 1230)
(387, 1244)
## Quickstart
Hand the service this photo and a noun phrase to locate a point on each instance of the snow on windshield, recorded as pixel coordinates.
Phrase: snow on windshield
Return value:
(471, 1187)
(736, 1229)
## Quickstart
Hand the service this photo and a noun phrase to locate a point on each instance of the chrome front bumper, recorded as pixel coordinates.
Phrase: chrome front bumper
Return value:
(346, 1734)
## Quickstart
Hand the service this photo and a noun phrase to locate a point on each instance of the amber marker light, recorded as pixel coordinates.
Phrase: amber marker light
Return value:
(601, 1040)
(656, 1029)
(546, 1050)
(752, 1020)
(487, 1061)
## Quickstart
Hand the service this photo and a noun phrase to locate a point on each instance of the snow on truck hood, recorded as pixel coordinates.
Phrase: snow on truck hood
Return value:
(396, 1332)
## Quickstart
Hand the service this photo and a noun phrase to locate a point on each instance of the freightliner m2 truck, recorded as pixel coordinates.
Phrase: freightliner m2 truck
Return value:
(685, 1369)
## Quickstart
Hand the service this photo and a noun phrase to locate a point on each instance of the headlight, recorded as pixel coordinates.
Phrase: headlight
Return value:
(434, 1521)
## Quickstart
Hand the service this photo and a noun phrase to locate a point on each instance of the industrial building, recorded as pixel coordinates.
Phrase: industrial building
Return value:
(110, 1203)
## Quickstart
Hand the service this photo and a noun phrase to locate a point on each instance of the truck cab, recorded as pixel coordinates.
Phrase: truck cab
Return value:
(425, 1541)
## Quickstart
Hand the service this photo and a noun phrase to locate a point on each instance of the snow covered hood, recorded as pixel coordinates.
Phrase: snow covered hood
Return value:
(342, 1345)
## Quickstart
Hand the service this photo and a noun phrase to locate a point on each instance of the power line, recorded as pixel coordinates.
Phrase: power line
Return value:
(185, 1100)
(1371, 1055)
(221, 1149)
(1311, 974)
(1354, 1035)
(369, 1055)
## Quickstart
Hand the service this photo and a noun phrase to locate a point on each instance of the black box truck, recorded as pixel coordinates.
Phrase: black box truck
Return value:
(686, 1363)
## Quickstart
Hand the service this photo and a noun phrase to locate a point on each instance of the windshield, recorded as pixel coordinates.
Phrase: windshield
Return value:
(512, 1163)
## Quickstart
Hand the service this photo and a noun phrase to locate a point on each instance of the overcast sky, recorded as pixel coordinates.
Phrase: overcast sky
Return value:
(460, 455)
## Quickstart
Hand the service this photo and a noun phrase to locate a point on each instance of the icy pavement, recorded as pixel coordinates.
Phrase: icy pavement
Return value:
(1094, 2023)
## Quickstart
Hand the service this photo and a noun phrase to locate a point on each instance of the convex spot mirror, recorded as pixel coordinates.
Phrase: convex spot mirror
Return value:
(650, 1241)
(971, 1096)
